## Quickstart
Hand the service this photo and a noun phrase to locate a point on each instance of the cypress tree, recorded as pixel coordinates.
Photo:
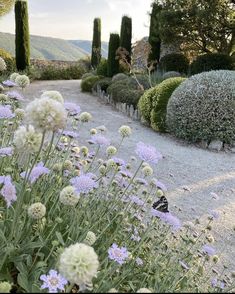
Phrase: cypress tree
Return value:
(22, 40)
(126, 35)
(113, 62)
(154, 35)
(96, 43)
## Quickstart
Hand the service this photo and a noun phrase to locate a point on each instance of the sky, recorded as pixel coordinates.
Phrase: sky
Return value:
(73, 19)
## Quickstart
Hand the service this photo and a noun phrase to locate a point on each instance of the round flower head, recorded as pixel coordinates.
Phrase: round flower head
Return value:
(3, 98)
(5, 112)
(46, 114)
(19, 113)
(147, 171)
(79, 264)
(99, 140)
(15, 95)
(8, 190)
(27, 139)
(207, 249)
(111, 150)
(37, 211)
(93, 131)
(147, 153)
(72, 108)
(54, 95)
(118, 254)
(3, 65)
(68, 196)
(5, 287)
(9, 83)
(144, 290)
(22, 81)
(14, 76)
(84, 184)
(125, 131)
(6, 151)
(85, 117)
(90, 239)
(37, 171)
(84, 150)
(53, 282)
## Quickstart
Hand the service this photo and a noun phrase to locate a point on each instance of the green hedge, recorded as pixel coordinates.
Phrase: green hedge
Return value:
(53, 73)
(103, 84)
(174, 62)
(211, 61)
(160, 100)
(88, 83)
(102, 67)
(10, 61)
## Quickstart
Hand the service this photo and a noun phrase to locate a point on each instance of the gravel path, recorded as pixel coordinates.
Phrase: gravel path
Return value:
(191, 174)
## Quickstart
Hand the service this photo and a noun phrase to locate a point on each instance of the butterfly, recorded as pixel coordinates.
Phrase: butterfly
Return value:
(161, 205)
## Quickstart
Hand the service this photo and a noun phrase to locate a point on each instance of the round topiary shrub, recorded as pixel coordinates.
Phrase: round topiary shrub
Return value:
(86, 75)
(128, 96)
(102, 67)
(10, 62)
(160, 100)
(171, 74)
(103, 84)
(211, 61)
(88, 83)
(119, 77)
(203, 107)
(174, 62)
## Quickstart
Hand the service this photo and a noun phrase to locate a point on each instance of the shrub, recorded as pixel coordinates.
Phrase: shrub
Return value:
(174, 62)
(102, 68)
(145, 104)
(57, 73)
(103, 84)
(211, 61)
(203, 107)
(171, 74)
(10, 62)
(88, 83)
(119, 77)
(86, 75)
(143, 80)
(128, 96)
(160, 100)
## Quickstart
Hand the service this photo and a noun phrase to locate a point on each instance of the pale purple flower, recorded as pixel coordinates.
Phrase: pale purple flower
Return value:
(8, 190)
(184, 265)
(15, 95)
(159, 185)
(147, 153)
(9, 83)
(209, 250)
(214, 214)
(214, 196)
(71, 134)
(141, 181)
(53, 282)
(119, 161)
(139, 261)
(6, 112)
(136, 200)
(99, 140)
(6, 151)
(72, 108)
(36, 172)
(84, 183)
(118, 254)
(168, 218)
(126, 173)
(216, 283)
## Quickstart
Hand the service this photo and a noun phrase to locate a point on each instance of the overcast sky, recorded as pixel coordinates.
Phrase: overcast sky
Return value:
(73, 19)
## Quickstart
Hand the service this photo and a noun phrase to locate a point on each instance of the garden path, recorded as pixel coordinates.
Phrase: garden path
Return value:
(191, 174)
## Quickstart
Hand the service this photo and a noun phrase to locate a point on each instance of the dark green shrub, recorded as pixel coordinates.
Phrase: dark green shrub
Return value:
(88, 83)
(171, 74)
(102, 84)
(86, 75)
(211, 61)
(160, 100)
(174, 62)
(143, 80)
(22, 40)
(10, 62)
(102, 68)
(96, 43)
(74, 72)
(119, 77)
(113, 62)
(126, 35)
(128, 96)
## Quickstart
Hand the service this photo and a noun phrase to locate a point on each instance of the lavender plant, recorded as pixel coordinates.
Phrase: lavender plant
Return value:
(79, 218)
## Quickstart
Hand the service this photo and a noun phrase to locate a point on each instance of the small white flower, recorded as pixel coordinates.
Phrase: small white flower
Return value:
(37, 211)
(111, 150)
(93, 131)
(55, 95)
(68, 196)
(125, 131)
(147, 171)
(22, 81)
(5, 287)
(3, 65)
(90, 239)
(20, 113)
(79, 264)
(85, 117)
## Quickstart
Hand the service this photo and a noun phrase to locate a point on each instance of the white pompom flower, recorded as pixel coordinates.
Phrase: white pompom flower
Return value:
(46, 114)
(125, 131)
(55, 95)
(37, 211)
(69, 197)
(22, 81)
(14, 76)
(79, 264)
(3, 65)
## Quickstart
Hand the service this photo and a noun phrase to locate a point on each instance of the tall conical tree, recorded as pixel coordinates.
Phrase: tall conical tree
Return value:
(96, 43)
(126, 35)
(22, 39)
(154, 35)
(113, 62)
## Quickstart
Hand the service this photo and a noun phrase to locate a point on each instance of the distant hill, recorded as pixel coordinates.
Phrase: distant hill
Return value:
(47, 48)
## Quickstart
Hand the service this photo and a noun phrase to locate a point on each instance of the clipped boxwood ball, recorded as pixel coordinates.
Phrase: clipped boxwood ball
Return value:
(88, 83)
(160, 100)
(203, 107)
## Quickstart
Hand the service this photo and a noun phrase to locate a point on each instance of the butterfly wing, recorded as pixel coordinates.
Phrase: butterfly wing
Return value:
(161, 205)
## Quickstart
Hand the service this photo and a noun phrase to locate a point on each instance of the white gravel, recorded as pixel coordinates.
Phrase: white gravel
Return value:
(191, 174)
